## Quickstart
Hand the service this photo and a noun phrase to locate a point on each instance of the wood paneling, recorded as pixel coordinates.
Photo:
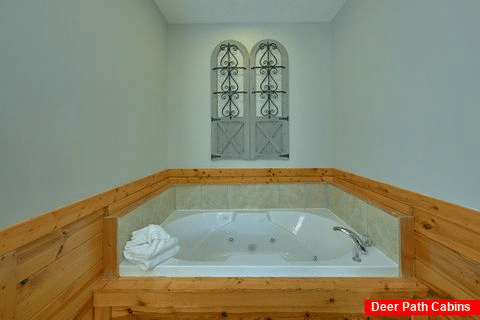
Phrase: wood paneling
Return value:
(294, 297)
(42, 252)
(462, 272)
(449, 234)
(76, 299)
(40, 288)
(7, 286)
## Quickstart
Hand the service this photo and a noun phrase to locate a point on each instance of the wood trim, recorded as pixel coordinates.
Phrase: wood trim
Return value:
(407, 247)
(239, 173)
(389, 205)
(110, 259)
(461, 215)
(126, 313)
(132, 201)
(234, 176)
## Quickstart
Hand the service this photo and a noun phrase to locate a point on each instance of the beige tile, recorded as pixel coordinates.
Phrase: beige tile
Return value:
(383, 231)
(356, 215)
(333, 194)
(342, 205)
(126, 225)
(167, 204)
(291, 195)
(214, 197)
(316, 195)
(253, 196)
(188, 197)
(155, 210)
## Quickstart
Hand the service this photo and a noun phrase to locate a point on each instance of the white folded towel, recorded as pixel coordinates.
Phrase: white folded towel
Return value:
(150, 246)
(152, 262)
(147, 235)
(149, 250)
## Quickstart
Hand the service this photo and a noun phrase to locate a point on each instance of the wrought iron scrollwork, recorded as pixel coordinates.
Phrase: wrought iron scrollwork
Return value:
(228, 67)
(268, 89)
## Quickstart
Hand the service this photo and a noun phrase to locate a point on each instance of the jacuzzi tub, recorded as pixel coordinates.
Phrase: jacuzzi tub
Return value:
(263, 243)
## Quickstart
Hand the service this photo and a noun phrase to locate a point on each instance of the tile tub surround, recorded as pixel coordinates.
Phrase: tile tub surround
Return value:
(381, 227)
(154, 211)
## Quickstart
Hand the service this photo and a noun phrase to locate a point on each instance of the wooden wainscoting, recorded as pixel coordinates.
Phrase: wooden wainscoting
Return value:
(247, 298)
(447, 236)
(51, 264)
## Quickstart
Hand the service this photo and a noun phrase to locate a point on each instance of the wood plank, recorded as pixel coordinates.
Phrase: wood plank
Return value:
(462, 273)
(407, 246)
(8, 290)
(441, 287)
(215, 301)
(322, 301)
(177, 295)
(70, 302)
(110, 259)
(449, 211)
(247, 180)
(87, 312)
(40, 253)
(376, 199)
(459, 238)
(268, 172)
(207, 283)
(104, 313)
(145, 313)
(39, 289)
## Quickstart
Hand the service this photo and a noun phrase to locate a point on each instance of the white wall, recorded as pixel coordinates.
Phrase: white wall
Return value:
(309, 49)
(82, 100)
(406, 92)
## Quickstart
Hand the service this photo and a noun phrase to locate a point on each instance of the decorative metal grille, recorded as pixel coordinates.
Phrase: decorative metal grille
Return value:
(249, 111)
(228, 71)
(267, 64)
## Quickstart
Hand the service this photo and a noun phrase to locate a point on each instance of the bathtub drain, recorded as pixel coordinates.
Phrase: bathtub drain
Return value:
(252, 247)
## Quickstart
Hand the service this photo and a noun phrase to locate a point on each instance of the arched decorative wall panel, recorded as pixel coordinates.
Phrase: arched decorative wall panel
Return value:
(249, 110)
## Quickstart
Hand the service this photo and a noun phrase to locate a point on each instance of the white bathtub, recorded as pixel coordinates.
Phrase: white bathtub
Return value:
(263, 243)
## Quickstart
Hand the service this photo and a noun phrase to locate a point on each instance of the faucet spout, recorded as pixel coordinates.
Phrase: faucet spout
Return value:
(359, 243)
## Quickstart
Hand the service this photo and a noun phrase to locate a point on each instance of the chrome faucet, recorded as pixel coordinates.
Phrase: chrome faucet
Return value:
(360, 244)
